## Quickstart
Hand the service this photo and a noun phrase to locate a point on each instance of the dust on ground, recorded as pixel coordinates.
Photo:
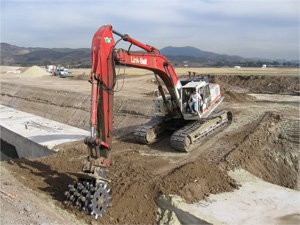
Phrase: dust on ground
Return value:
(263, 139)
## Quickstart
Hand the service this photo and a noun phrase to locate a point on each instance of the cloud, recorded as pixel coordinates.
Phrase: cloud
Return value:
(250, 28)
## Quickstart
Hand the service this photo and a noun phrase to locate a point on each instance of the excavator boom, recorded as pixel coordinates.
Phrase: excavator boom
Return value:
(103, 79)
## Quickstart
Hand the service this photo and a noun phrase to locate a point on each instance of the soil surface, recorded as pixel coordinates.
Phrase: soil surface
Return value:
(263, 139)
(26, 206)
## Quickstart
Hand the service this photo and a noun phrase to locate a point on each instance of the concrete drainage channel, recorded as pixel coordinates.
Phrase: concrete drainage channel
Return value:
(243, 206)
(27, 135)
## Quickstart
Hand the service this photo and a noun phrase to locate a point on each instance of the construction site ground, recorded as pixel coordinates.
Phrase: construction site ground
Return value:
(262, 139)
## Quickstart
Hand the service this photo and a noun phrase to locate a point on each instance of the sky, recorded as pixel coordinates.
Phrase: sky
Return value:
(248, 28)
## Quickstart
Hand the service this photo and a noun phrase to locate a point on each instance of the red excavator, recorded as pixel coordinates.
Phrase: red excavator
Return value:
(186, 106)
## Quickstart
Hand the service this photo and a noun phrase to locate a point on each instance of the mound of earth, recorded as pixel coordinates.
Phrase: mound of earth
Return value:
(269, 150)
(196, 180)
(235, 87)
(35, 71)
(261, 84)
(231, 96)
(134, 187)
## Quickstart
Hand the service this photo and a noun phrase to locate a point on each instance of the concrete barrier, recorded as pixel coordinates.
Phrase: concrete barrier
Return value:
(255, 202)
(24, 146)
(34, 136)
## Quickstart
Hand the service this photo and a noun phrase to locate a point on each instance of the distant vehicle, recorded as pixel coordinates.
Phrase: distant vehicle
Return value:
(51, 68)
(61, 72)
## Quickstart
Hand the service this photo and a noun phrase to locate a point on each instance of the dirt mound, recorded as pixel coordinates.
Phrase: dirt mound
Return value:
(195, 181)
(269, 150)
(235, 87)
(237, 97)
(261, 84)
(134, 185)
(231, 96)
(35, 71)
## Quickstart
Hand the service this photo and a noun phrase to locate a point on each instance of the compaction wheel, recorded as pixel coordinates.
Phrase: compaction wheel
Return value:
(89, 196)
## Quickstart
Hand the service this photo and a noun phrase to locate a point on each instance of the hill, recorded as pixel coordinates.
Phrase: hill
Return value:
(188, 51)
(195, 57)
(81, 57)
(14, 55)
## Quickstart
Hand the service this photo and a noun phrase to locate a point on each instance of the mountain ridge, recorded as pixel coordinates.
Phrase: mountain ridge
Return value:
(81, 57)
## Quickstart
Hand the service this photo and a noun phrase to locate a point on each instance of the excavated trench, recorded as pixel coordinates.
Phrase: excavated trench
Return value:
(264, 141)
(73, 108)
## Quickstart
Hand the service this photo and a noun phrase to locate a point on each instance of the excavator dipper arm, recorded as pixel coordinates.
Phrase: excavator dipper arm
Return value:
(103, 79)
(90, 191)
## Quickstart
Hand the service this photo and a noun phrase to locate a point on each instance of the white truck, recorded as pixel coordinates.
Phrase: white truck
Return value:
(62, 72)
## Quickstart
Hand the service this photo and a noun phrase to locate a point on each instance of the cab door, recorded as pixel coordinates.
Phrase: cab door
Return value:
(207, 95)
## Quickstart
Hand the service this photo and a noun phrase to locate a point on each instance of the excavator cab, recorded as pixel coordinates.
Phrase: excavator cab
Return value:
(186, 93)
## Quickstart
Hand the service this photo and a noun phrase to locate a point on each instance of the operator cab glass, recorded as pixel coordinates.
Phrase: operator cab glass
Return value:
(186, 95)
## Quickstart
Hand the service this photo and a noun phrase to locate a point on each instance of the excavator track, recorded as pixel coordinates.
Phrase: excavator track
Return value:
(185, 138)
(150, 131)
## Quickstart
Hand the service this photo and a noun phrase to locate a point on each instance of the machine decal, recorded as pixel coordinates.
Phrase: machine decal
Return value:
(138, 60)
(107, 39)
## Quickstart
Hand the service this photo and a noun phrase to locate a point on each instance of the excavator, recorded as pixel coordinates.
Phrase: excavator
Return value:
(172, 111)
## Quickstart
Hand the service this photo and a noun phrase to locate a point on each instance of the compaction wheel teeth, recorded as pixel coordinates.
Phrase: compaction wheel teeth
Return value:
(94, 199)
(96, 216)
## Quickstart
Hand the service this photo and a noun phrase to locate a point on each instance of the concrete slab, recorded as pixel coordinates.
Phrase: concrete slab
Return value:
(26, 132)
(255, 202)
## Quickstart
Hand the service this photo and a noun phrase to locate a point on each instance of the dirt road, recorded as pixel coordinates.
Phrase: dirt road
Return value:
(263, 139)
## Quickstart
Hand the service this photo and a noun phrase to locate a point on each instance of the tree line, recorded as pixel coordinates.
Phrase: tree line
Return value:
(258, 63)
